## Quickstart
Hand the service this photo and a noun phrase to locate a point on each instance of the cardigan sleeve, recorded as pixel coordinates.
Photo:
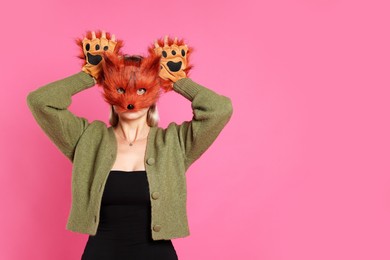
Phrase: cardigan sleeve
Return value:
(211, 112)
(49, 106)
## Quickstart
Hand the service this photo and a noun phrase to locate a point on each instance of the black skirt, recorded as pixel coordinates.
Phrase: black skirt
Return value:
(124, 231)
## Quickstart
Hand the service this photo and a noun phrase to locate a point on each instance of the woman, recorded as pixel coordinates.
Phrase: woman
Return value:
(128, 180)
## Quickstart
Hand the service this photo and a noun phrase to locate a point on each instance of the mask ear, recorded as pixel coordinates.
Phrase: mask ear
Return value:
(151, 65)
(110, 64)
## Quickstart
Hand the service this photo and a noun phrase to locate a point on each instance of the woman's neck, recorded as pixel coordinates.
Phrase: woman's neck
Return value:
(133, 130)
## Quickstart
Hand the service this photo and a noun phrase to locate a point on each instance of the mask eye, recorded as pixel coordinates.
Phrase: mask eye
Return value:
(120, 90)
(141, 91)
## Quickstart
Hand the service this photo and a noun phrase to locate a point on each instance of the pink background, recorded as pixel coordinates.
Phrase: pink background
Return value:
(301, 172)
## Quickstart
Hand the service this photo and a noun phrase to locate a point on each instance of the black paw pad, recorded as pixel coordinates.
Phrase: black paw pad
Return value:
(164, 54)
(174, 66)
(93, 59)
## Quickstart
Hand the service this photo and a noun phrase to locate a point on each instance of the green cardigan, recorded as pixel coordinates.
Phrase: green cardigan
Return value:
(92, 148)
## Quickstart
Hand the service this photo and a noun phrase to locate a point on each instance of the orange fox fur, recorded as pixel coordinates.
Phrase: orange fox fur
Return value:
(131, 75)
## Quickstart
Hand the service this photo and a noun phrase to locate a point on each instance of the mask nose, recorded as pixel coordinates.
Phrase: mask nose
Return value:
(130, 107)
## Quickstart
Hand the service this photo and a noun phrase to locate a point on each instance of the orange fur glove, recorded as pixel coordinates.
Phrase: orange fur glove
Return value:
(174, 62)
(92, 46)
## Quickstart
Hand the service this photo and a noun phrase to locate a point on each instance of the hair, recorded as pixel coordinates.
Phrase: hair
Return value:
(152, 116)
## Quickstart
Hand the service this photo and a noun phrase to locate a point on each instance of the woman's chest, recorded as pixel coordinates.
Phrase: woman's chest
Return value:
(130, 157)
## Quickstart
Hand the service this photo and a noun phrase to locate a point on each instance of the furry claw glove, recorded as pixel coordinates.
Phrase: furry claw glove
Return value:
(174, 62)
(92, 47)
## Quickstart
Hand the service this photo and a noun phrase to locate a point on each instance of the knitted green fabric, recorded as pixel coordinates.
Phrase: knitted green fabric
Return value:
(92, 148)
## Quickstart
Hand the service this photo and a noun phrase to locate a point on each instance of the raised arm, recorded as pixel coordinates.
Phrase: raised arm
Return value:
(49, 105)
(211, 112)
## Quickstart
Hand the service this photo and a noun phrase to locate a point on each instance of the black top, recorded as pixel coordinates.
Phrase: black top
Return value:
(124, 229)
(125, 212)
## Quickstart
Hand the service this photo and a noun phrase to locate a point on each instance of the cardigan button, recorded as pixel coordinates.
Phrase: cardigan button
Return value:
(150, 161)
(95, 218)
(155, 195)
(157, 228)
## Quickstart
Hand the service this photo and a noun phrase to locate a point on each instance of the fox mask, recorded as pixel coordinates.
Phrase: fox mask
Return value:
(131, 83)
